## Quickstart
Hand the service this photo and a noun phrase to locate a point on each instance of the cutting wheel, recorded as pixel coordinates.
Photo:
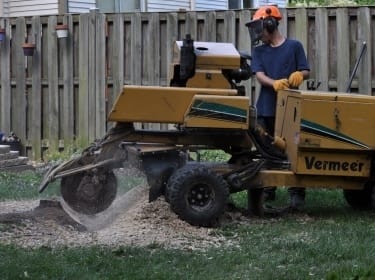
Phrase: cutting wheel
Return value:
(89, 192)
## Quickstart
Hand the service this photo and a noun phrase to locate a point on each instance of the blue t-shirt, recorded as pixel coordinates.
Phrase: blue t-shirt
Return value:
(277, 63)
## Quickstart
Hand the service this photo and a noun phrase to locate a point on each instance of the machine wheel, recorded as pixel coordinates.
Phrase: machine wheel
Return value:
(197, 195)
(89, 192)
(361, 199)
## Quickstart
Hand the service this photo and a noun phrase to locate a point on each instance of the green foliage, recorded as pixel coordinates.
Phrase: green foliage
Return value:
(333, 3)
(64, 155)
(212, 156)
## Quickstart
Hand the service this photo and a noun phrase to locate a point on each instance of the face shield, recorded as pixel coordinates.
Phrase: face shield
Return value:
(255, 30)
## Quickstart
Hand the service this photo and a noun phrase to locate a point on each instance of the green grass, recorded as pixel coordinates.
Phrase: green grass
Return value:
(293, 247)
(328, 240)
(23, 185)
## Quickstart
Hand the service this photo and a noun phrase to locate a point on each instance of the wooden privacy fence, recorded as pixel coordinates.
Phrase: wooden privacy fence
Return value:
(60, 96)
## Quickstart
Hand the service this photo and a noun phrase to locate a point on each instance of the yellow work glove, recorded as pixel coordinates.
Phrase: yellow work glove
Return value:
(295, 79)
(280, 84)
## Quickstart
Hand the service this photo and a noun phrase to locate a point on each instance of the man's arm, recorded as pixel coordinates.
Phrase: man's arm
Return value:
(264, 80)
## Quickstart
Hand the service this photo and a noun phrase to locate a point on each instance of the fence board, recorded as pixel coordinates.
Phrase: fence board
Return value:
(83, 92)
(136, 49)
(283, 24)
(321, 39)
(100, 76)
(117, 57)
(53, 88)
(343, 54)
(229, 35)
(172, 35)
(191, 25)
(152, 61)
(301, 31)
(364, 35)
(91, 63)
(5, 101)
(244, 45)
(35, 100)
(210, 27)
(18, 108)
(68, 84)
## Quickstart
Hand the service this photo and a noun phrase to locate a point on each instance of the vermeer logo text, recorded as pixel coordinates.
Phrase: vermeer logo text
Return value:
(333, 165)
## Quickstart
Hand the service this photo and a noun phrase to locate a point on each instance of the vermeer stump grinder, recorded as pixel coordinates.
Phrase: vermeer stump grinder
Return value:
(322, 140)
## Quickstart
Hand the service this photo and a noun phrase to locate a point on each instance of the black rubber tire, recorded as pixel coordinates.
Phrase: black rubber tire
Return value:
(86, 196)
(197, 195)
(361, 199)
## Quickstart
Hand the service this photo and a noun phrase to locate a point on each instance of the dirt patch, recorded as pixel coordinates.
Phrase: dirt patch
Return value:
(46, 224)
(140, 223)
(47, 210)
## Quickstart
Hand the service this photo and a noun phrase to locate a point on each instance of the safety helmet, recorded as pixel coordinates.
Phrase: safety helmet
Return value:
(267, 11)
(266, 17)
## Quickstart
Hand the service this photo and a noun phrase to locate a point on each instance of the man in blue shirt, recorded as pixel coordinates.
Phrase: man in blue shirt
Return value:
(279, 63)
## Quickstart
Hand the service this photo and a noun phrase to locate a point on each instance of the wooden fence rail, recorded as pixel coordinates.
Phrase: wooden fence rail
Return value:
(60, 96)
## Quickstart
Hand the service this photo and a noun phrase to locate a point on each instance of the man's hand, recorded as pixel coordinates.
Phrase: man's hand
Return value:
(295, 79)
(280, 84)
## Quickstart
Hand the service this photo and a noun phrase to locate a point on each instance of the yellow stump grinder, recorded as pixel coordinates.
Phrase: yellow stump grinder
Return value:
(322, 140)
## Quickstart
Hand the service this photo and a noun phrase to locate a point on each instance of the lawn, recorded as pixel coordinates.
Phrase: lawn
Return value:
(328, 240)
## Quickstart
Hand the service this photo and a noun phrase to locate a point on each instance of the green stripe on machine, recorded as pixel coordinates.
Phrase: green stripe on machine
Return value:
(218, 111)
(315, 128)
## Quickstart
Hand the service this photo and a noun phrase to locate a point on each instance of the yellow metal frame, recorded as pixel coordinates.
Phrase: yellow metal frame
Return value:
(175, 105)
(326, 133)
